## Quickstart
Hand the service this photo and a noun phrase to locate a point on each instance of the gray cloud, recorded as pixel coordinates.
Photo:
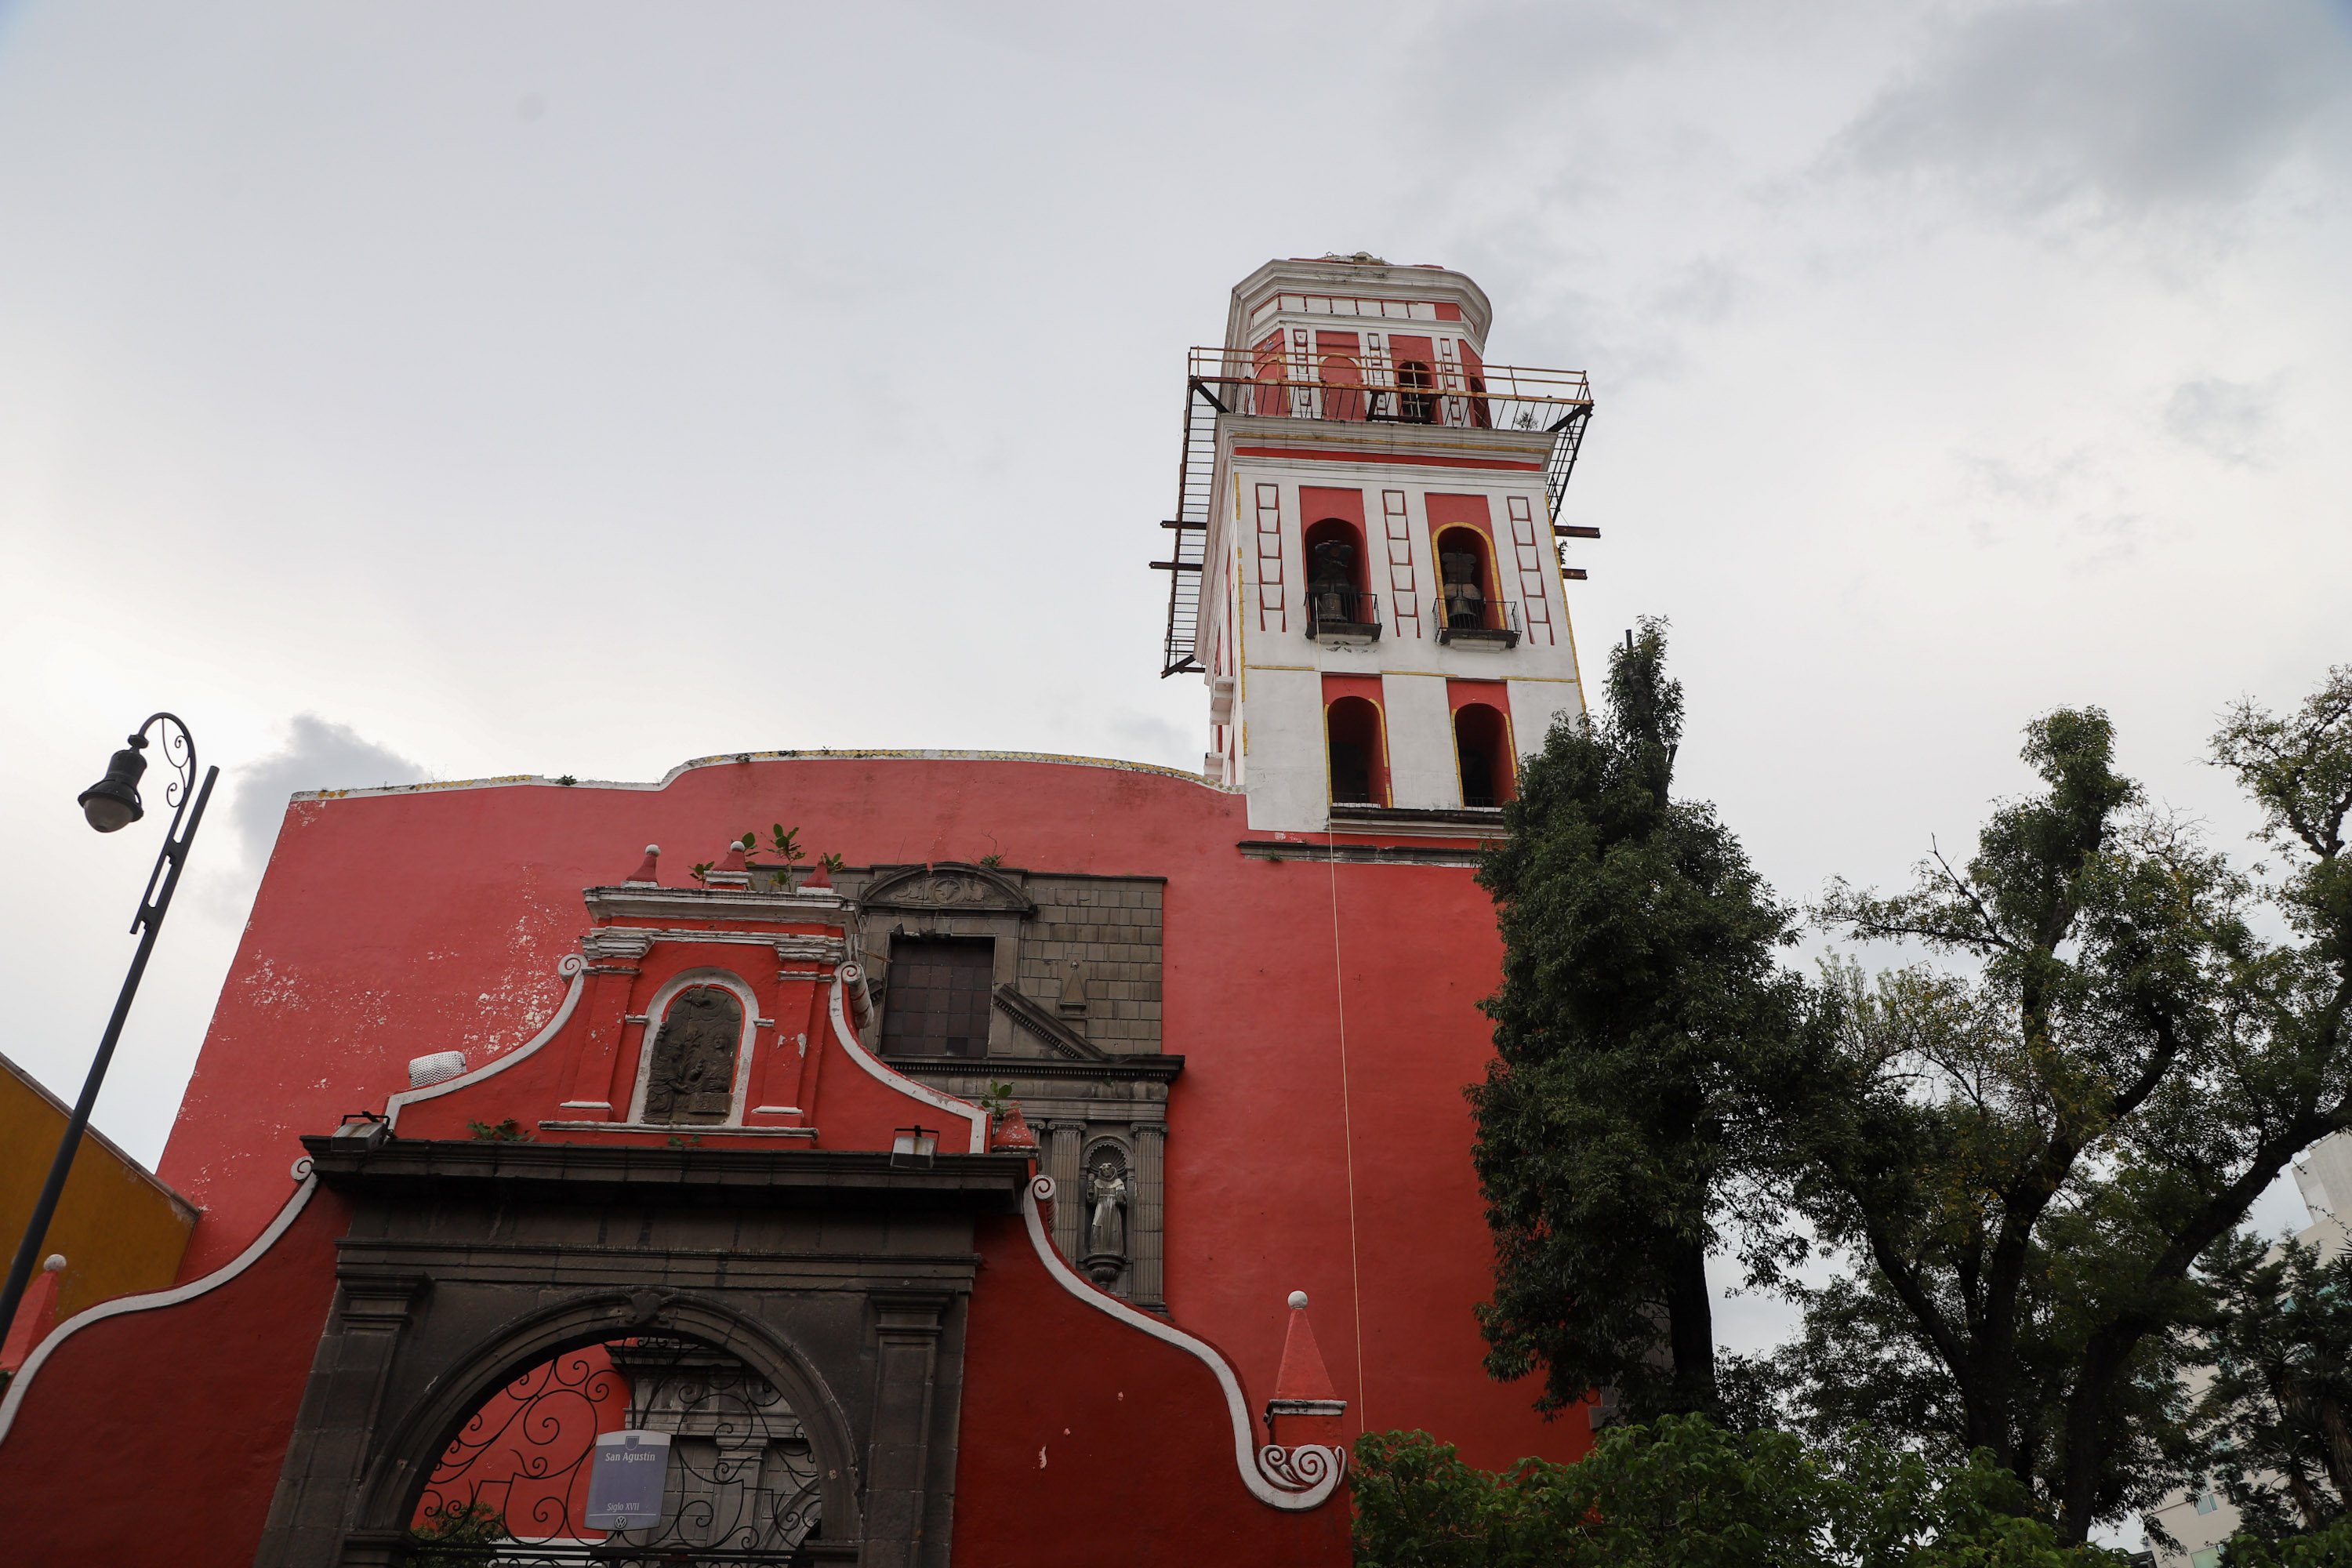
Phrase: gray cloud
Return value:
(317, 755)
(2227, 419)
(2124, 106)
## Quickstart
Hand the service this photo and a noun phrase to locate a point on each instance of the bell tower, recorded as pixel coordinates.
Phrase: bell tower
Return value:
(1367, 569)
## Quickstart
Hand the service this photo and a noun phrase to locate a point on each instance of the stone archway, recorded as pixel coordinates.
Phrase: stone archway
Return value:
(746, 1472)
(832, 1278)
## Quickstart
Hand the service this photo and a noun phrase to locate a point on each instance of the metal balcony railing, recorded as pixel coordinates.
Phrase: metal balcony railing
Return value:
(1464, 619)
(1341, 610)
(1367, 387)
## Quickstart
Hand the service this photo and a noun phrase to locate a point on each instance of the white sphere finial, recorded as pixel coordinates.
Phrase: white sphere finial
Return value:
(53, 1262)
(1297, 1299)
(653, 848)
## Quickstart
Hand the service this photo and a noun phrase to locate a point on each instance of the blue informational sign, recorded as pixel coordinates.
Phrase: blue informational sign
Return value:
(625, 1480)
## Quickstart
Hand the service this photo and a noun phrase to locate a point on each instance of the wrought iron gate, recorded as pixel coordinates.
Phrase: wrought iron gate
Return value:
(510, 1490)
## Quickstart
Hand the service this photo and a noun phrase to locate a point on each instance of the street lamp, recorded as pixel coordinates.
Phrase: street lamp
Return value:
(110, 805)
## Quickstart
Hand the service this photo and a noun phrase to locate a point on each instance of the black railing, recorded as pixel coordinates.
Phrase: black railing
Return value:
(1342, 610)
(1469, 617)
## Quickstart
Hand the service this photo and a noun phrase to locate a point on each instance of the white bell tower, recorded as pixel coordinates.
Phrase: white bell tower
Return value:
(1366, 571)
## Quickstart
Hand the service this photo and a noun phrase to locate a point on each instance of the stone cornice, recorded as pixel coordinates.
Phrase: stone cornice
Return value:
(733, 904)
(606, 1173)
(1152, 1067)
(789, 947)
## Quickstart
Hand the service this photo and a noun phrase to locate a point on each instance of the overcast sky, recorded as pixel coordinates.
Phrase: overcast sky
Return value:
(439, 391)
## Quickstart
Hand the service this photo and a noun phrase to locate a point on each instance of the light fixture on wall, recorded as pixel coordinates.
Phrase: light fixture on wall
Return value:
(912, 1148)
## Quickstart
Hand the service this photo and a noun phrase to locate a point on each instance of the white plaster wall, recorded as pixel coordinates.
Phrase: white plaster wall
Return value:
(1422, 771)
(1287, 771)
(1533, 705)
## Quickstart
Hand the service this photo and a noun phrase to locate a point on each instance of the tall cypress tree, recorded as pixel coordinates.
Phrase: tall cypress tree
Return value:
(1639, 992)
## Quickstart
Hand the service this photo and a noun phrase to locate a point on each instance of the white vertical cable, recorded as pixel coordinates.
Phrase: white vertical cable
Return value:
(1347, 1126)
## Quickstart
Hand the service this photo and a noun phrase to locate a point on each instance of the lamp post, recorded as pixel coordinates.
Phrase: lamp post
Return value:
(110, 805)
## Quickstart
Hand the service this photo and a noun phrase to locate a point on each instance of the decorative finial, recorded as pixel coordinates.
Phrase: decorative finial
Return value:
(53, 1262)
(647, 874)
(1298, 1300)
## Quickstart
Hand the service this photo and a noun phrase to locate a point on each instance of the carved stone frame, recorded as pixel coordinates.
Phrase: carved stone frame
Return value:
(467, 1264)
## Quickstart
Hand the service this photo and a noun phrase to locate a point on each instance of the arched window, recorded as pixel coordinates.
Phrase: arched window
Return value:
(1482, 750)
(1416, 393)
(1466, 577)
(1357, 759)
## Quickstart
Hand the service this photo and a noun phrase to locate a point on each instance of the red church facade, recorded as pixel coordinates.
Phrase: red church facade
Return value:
(711, 1153)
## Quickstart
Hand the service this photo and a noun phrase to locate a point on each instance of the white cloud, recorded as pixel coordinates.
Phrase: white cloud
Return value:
(2122, 106)
(317, 754)
(2226, 419)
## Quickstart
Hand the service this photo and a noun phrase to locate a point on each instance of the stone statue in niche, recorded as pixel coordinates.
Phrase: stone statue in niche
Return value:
(693, 1073)
(1105, 1241)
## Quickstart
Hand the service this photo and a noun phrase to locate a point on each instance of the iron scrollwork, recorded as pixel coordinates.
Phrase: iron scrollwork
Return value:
(511, 1488)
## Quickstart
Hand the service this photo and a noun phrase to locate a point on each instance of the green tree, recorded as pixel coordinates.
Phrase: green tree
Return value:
(1639, 994)
(2277, 1417)
(1681, 1492)
(2329, 1547)
(2031, 1156)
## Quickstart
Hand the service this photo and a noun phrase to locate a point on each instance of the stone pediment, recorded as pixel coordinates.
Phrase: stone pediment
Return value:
(946, 884)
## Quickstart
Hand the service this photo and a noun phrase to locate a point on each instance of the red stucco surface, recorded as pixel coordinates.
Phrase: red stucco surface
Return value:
(1319, 1139)
(157, 1436)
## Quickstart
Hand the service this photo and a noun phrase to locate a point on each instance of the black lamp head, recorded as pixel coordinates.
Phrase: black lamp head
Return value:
(112, 803)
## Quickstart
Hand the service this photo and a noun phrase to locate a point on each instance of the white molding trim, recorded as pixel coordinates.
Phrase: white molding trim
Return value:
(1320, 1467)
(570, 966)
(848, 974)
(155, 1299)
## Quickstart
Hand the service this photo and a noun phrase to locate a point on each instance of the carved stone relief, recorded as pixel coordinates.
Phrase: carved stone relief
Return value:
(692, 1079)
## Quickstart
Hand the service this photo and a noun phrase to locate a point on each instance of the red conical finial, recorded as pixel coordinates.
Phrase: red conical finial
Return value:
(1013, 1135)
(1302, 1376)
(647, 874)
(733, 859)
(1304, 1409)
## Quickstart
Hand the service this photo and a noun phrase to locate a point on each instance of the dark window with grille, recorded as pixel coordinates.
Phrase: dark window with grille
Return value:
(937, 1004)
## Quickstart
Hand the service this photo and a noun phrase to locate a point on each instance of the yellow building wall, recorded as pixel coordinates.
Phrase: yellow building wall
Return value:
(121, 1230)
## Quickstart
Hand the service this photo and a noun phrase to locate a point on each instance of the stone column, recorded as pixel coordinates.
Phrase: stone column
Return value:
(1064, 1141)
(309, 1517)
(898, 1466)
(1144, 1246)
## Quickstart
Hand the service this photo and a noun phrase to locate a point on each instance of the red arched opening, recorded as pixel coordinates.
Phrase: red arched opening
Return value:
(1466, 572)
(1337, 595)
(1272, 397)
(1482, 751)
(1475, 371)
(1343, 381)
(1335, 553)
(1359, 773)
